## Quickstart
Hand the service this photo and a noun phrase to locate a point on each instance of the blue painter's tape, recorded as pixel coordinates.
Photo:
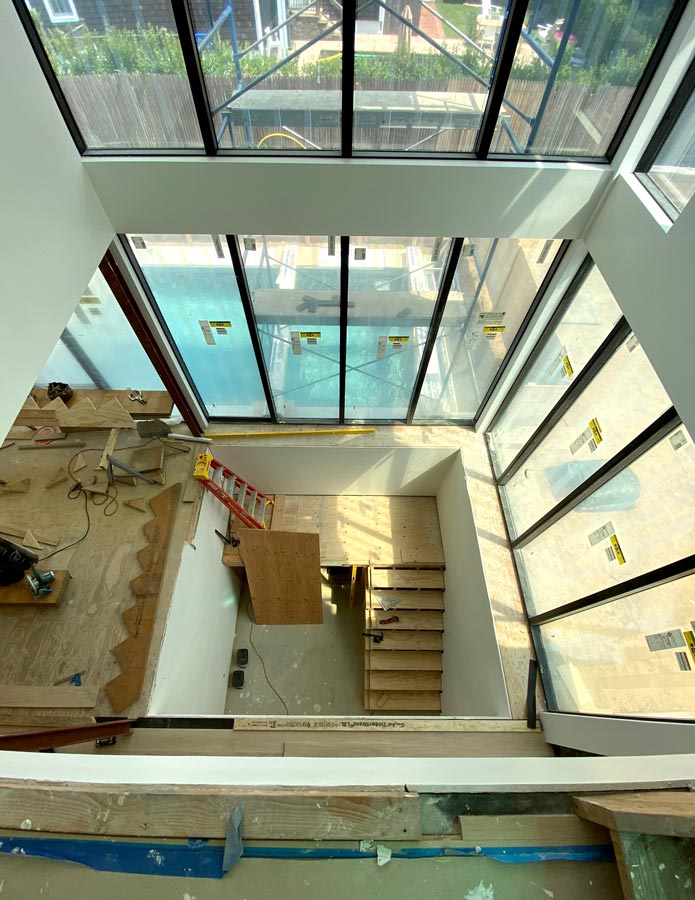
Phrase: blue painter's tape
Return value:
(202, 859)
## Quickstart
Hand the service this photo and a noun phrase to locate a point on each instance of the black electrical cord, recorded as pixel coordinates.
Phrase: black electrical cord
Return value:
(260, 658)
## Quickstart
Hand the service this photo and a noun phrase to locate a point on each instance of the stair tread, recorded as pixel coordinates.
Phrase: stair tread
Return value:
(400, 660)
(407, 578)
(409, 599)
(408, 620)
(423, 701)
(404, 681)
(408, 641)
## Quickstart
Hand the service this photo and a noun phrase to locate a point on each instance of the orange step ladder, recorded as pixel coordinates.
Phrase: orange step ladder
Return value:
(239, 496)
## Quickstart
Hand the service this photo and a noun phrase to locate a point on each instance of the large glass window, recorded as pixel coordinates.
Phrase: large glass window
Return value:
(294, 282)
(593, 430)
(393, 285)
(670, 171)
(638, 521)
(121, 69)
(273, 72)
(575, 71)
(98, 348)
(586, 322)
(193, 283)
(422, 75)
(496, 282)
(628, 657)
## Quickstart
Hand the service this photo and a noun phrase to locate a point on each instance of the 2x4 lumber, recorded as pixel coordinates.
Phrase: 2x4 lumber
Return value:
(367, 723)
(404, 700)
(407, 578)
(408, 620)
(409, 640)
(669, 813)
(531, 831)
(409, 599)
(405, 681)
(271, 815)
(63, 696)
(396, 660)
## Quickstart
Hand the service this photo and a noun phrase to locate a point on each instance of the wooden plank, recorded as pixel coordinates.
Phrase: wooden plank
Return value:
(409, 599)
(405, 681)
(654, 867)
(32, 414)
(20, 594)
(63, 696)
(531, 831)
(190, 812)
(159, 404)
(15, 531)
(670, 813)
(401, 700)
(410, 640)
(408, 620)
(407, 578)
(147, 459)
(370, 723)
(84, 416)
(404, 659)
(109, 447)
(284, 575)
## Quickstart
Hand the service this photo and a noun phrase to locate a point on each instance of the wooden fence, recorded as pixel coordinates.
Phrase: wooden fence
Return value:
(156, 111)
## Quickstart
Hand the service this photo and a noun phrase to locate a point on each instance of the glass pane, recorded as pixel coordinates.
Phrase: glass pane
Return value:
(393, 285)
(295, 285)
(98, 348)
(640, 520)
(620, 402)
(272, 72)
(574, 73)
(121, 69)
(422, 75)
(192, 280)
(585, 324)
(673, 170)
(495, 284)
(600, 662)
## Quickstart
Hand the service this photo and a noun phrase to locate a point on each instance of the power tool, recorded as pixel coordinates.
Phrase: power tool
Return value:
(16, 562)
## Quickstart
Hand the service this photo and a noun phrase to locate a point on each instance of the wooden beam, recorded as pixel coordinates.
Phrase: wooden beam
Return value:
(370, 723)
(654, 867)
(190, 812)
(670, 813)
(40, 696)
(531, 831)
(64, 736)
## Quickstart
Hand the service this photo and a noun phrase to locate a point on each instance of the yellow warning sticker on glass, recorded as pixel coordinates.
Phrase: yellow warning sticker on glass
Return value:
(221, 324)
(310, 334)
(617, 549)
(567, 366)
(494, 329)
(596, 430)
(399, 338)
(690, 641)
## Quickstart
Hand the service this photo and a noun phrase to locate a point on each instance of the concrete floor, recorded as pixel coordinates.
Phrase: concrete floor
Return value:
(24, 878)
(316, 669)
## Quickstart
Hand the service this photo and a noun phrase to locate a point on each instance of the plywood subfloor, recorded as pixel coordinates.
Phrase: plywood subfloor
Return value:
(364, 530)
(38, 646)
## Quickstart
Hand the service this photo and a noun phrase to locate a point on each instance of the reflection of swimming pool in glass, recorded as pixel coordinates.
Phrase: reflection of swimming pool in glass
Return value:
(305, 385)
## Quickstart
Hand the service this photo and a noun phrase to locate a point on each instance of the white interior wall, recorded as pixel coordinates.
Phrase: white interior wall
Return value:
(609, 736)
(53, 230)
(193, 665)
(473, 680)
(291, 468)
(649, 265)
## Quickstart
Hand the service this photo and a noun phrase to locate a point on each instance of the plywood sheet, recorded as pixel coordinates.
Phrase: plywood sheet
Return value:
(409, 640)
(408, 620)
(397, 660)
(284, 576)
(40, 696)
(402, 700)
(408, 599)
(356, 530)
(408, 578)
(405, 681)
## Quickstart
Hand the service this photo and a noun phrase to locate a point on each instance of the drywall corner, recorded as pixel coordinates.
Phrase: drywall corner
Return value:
(473, 679)
(193, 665)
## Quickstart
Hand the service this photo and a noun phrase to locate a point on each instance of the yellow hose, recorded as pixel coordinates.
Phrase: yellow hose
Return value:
(280, 135)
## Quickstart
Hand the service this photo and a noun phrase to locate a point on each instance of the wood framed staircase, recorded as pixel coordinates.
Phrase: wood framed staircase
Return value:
(404, 614)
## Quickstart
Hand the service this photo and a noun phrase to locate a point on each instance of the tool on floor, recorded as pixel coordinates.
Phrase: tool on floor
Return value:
(152, 428)
(242, 657)
(137, 396)
(15, 561)
(237, 679)
(389, 621)
(376, 638)
(240, 497)
(75, 679)
(126, 468)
